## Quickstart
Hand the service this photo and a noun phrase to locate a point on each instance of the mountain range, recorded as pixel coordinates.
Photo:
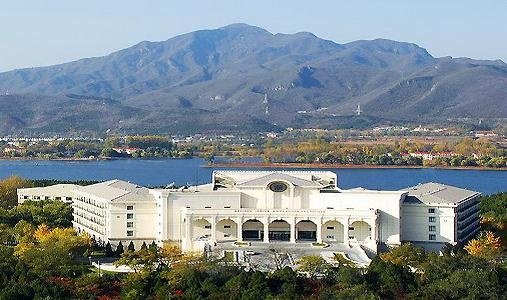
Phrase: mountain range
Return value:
(242, 78)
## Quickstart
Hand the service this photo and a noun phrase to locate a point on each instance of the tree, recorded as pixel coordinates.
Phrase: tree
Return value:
(131, 247)
(486, 246)
(493, 210)
(52, 213)
(119, 249)
(52, 251)
(153, 246)
(144, 246)
(314, 266)
(9, 188)
(109, 250)
(389, 280)
(405, 255)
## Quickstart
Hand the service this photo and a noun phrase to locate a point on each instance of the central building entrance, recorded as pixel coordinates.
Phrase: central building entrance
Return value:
(279, 230)
(253, 230)
(306, 230)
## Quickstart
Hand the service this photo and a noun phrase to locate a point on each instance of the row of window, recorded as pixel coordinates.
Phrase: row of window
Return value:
(209, 207)
(130, 224)
(46, 198)
(92, 202)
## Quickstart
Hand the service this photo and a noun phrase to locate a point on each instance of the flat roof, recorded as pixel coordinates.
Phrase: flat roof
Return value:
(437, 193)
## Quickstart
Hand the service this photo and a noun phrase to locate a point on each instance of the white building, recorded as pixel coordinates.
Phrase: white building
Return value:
(268, 207)
(437, 213)
(60, 192)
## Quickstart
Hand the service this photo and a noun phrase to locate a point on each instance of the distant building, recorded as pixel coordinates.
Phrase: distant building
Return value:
(430, 156)
(126, 150)
(269, 207)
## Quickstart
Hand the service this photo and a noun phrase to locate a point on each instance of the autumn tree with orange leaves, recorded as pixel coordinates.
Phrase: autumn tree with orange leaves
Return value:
(487, 246)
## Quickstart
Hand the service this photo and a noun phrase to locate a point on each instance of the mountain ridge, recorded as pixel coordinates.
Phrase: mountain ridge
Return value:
(272, 80)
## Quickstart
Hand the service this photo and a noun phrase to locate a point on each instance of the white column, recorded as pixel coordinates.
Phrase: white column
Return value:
(319, 231)
(214, 229)
(346, 232)
(373, 232)
(292, 230)
(188, 232)
(239, 229)
(266, 230)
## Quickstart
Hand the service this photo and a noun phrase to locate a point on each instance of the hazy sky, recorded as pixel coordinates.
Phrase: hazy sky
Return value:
(39, 32)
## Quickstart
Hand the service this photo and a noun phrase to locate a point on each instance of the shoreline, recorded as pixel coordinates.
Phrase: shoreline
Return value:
(341, 166)
(259, 165)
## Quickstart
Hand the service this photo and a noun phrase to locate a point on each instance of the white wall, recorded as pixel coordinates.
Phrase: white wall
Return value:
(145, 220)
(388, 203)
(177, 203)
(415, 223)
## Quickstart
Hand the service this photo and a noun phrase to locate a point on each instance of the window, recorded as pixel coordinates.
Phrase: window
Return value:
(227, 235)
(130, 224)
(351, 228)
(68, 198)
(431, 210)
(188, 206)
(329, 207)
(207, 207)
(130, 207)
(130, 216)
(207, 226)
(278, 186)
(227, 207)
(330, 237)
(46, 197)
(25, 197)
(130, 233)
(227, 226)
(330, 227)
(432, 228)
(58, 198)
(432, 237)
(432, 219)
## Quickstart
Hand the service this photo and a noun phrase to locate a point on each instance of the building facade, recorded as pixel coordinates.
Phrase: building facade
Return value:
(269, 207)
(449, 214)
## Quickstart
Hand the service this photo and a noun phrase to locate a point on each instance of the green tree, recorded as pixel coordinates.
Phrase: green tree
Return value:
(313, 266)
(153, 246)
(131, 247)
(119, 249)
(389, 280)
(52, 251)
(8, 190)
(144, 246)
(109, 250)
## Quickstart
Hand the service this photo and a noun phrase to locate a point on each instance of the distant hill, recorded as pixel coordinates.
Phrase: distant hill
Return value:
(244, 78)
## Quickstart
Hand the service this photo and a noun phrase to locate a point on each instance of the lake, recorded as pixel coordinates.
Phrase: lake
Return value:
(190, 171)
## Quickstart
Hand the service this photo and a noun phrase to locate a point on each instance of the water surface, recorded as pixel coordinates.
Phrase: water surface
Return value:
(190, 171)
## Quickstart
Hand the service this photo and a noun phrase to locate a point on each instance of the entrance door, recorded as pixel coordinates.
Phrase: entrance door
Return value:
(307, 235)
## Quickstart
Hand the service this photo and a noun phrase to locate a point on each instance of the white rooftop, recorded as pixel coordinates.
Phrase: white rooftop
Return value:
(434, 193)
(57, 189)
(114, 190)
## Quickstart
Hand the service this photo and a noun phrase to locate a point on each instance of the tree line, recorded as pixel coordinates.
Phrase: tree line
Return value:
(466, 152)
(150, 146)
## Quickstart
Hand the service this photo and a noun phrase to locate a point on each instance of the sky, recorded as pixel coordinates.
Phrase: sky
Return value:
(46, 32)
